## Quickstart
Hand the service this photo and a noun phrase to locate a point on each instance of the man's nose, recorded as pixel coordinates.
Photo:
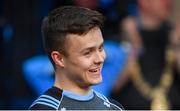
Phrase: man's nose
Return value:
(100, 56)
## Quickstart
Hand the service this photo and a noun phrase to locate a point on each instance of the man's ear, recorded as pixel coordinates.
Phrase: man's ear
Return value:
(57, 58)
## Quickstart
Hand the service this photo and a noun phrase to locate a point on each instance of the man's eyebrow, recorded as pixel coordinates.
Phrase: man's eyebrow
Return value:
(92, 47)
(87, 48)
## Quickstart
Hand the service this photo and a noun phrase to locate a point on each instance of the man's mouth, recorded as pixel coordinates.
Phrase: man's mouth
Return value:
(95, 69)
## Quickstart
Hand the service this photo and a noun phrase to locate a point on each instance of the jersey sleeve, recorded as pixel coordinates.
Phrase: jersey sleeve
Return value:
(45, 102)
(41, 107)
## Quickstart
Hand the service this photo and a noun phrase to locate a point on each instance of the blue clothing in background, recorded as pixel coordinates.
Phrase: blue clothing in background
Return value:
(38, 72)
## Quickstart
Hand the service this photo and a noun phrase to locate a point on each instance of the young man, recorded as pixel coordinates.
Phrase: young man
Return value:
(74, 44)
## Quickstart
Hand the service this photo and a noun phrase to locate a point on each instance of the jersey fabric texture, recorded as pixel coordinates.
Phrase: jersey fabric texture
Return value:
(57, 99)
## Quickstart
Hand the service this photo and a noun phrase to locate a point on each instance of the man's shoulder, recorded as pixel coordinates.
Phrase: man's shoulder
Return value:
(109, 102)
(116, 104)
(50, 100)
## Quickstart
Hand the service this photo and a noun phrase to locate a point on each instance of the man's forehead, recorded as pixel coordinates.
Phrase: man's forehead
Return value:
(91, 39)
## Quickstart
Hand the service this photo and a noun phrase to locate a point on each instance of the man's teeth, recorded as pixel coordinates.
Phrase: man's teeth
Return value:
(94, 70)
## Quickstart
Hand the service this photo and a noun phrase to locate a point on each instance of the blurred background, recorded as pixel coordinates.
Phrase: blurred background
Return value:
(21, 40)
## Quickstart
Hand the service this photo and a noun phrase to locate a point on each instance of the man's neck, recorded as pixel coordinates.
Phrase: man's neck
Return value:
(63, 83)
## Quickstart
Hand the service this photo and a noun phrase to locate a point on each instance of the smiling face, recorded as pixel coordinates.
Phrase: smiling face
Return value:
(85, 58)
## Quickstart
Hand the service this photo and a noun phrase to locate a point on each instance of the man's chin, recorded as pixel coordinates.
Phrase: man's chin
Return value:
(96, 82)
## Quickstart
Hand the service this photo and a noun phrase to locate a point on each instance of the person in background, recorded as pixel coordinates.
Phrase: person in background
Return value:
(150, 79)
(74, 44)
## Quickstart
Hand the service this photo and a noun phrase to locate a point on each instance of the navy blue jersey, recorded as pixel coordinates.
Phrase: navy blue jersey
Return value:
(57, 99)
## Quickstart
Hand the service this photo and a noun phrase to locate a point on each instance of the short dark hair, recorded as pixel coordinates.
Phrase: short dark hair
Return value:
(67, 20)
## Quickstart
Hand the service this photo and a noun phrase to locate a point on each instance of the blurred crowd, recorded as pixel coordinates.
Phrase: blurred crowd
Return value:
(142, 42)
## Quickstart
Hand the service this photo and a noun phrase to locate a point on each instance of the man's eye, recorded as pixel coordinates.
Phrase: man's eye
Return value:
(101, 48)
(87, 53)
